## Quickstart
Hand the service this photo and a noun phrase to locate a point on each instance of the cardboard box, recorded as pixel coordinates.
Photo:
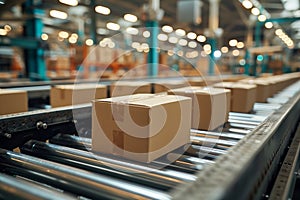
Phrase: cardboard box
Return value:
(122, 88)
(141, 127)
(167, 85)
(263, 90)
(64, 95)
(210, 106)
(13, 101)
(204, 81)
(243, 96)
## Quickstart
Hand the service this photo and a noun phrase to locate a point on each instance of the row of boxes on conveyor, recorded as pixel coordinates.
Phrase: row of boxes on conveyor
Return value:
(146, 126)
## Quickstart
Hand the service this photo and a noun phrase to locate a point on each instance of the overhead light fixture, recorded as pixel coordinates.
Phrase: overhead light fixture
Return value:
(72, 40)
(217, 54)
(135, 45)
(262, 18)
(191, 35)
(279, 32)
(201, 38)
(224, 49)
(167, 29)
(192, 44)
(58, 14)
(44, 36)
(89, 42)
(146, 34)
(7, 27)
(2, 2)
(247, 4)
(240, 45)
(235, 52)
(63, 34)
(173, 40)
(182, 42)
(130, 18)
(102, 10)
(255, 11)
(180, 32)
(113, 26)
(69, 2)
(3, 32)
(162, 37)
(132, 31)
(233, 42)
(207, 47)
(269, 25)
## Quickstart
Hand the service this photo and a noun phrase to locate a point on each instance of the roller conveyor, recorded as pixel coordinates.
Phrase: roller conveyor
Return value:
(65, 163)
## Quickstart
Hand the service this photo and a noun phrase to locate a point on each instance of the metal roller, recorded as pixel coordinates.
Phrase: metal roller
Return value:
(144, 175)
(13, 188)
(74, 180)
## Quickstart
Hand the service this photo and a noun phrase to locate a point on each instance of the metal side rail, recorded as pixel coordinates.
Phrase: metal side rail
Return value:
(286, 179)
(246, 170)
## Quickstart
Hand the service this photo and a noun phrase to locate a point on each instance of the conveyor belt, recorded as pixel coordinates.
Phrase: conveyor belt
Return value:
(65, 165)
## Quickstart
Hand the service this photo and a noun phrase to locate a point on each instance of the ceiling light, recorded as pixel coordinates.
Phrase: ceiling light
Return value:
(72, 40)
(146, 34)
(206, 47)
(233, 42)
(269, 25)
(247, 4)
(180, 53)
(113, 26)
(74, 35)
(201, 38)
(173, 40)
(240, 45)
(235, 52)
(191, 35)
(262, 18)
(132, 31)
(2, 2)
(167, 29)
(183, 42)
(162, 37)
(111, 44)
(279, 32)
(89, 42)
(130, 17)
(44, 36)
(180, 32)
(69, 2)
(192, 44)
(135, 45)
(217, 54)
(58, 14)
(224, 49)
(7, 27)
(63, 34)
(102, 10)
(255, 11)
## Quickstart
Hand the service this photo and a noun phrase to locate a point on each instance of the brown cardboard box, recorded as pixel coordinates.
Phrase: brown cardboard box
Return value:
(196, 81)
(210, 106)
(243, 96)
(167, 85)
(141, 127)
(204, 81)
(13, 101)
(263, 90)
(64, 95)
(122, 88)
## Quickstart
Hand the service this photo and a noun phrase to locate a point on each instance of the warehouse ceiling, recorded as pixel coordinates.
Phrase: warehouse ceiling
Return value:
(234, 19)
